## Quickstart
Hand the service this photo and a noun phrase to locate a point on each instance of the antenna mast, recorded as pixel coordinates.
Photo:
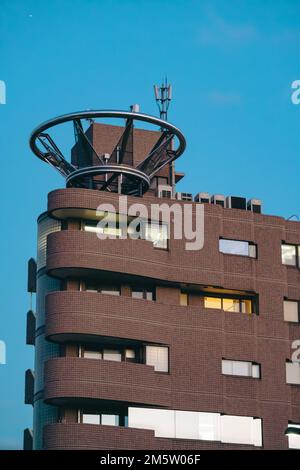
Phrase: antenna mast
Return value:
(163, 96)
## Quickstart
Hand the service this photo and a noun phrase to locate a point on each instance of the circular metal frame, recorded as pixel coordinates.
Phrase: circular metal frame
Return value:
(90, 171)
(105, 114)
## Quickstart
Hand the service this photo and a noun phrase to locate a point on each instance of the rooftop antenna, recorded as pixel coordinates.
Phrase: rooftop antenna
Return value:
(163, 96)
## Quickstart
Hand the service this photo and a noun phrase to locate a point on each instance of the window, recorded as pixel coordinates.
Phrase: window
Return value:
(142, 293)
(90, 354)
(292, 373)
(152, 231)
(240, 368)
(90, 418)
(158, 357)
(156, 233)
(291, 310)
(130, 355)
(99, 418)
(197, 425)
(184, 299)
(237, 247)
(112, 355)
(229, 304)
(290, 254)
(293, 433)
(91, 286)
(100, 353)
(91, 226)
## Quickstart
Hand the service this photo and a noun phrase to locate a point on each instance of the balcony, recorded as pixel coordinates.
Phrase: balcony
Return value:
(81, 380)
(82, 316)
(73, 436)
(78, 253)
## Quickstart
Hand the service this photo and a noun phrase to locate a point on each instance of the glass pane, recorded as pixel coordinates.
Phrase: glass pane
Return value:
(92, 354)
(130, 353)
(242, 368)
(110, 420)
(158, 357)
(112, 355)
(110, 290)
(288, 254)
(212, 302)
(234, 247)
(183, 299)
(290, 309)
(157, 233)
(231, 305)
(246, 306)
(255, 371)
(149, 295)
(90, 418)
(226, 367)
(137, 294)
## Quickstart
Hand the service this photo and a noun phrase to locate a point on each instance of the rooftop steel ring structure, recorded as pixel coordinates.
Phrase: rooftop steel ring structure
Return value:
(115, 172)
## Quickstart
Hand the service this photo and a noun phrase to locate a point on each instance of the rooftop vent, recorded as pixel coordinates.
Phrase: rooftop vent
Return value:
(202, 197)
(184, 196)
(235, 202)
(254, 205)
(218, 199)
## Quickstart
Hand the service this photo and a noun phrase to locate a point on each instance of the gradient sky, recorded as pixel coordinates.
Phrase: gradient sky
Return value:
(231, 64)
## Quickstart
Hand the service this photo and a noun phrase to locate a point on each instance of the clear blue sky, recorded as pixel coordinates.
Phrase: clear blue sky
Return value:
(231, 64)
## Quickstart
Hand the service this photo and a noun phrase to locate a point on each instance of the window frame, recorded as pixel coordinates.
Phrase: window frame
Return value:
(253, 299)
(285, 299)
(248, 376)
(297, 254)
(144, 291)
(250, 244)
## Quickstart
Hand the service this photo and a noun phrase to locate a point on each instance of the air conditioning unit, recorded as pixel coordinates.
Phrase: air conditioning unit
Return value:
(164, 190)
(218, 199)
(254, 205)
(235, 202)
(184, 196)
(202, 197)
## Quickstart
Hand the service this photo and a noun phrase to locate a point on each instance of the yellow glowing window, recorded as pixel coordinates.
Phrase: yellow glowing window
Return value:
(231, 305)
(183, 299)
(246, 306)
(212, 302)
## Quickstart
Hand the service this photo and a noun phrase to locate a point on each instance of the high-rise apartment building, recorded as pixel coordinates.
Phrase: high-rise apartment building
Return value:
(141, 343)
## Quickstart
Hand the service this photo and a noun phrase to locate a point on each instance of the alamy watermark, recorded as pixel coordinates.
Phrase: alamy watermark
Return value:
(155, 222)
(2, 92)
(2, 352)
(295, 96)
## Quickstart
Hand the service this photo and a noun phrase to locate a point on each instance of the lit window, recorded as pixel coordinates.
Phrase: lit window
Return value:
(237, 247)
(292, 373)
(184, 299)
(229, 305)
(291, 310)
(240, 368)
(158, 357)
(289, 254)
(212, 302)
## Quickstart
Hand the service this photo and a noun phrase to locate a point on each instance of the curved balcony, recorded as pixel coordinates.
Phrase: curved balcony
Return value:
(82, 316)
(87, 381)
(78, 253)
(73, 436)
